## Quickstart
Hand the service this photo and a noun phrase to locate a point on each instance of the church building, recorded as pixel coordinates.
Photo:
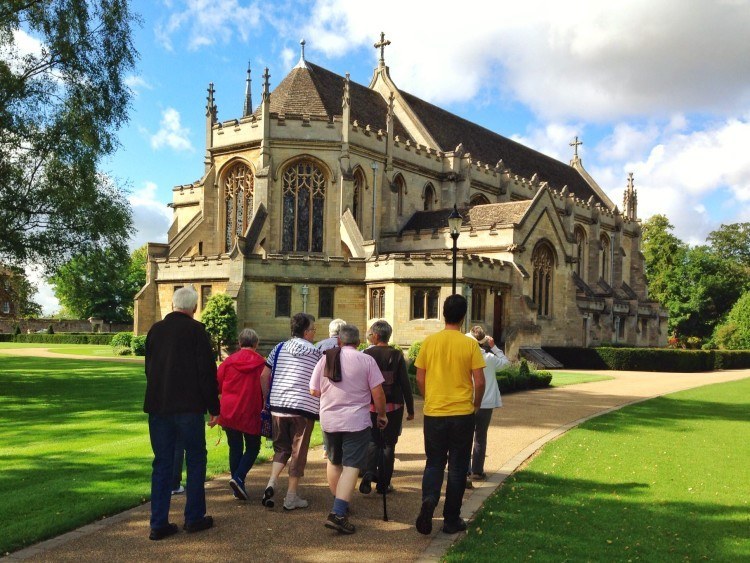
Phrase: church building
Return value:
(333, 198)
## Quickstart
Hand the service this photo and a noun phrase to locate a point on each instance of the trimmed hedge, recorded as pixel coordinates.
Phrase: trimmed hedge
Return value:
(59, 338)
(650, 359)
(138, 345)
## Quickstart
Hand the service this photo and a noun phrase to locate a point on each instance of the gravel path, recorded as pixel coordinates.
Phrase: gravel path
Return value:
(248, 531)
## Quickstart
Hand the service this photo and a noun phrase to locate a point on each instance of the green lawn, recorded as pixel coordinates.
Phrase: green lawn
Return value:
(561, 378)
(664, 480)
(74, 445)
(95, 350)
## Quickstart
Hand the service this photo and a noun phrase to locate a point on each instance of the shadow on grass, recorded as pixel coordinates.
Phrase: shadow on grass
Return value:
(543, 517)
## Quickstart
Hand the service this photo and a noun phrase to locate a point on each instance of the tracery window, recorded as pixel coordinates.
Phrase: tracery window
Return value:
(303, 192)
(543, 264)
(429, 197)
(238, 200)
(377, 303)
(604, 257)
(357, 197)
(580, 236)
(424, 302)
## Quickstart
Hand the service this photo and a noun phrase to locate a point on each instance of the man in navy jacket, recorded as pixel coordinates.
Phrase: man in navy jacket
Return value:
(181, 386)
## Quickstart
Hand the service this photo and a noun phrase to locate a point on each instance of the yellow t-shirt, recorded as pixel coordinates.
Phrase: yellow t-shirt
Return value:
(448, 358)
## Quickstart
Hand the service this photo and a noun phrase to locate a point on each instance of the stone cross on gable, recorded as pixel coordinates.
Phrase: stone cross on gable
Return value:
(382, 44)
(575, 144)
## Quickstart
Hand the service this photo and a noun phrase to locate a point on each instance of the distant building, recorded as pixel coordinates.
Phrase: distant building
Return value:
(333, 197)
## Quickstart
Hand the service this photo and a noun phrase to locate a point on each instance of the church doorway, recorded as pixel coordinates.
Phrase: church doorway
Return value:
(497, 323)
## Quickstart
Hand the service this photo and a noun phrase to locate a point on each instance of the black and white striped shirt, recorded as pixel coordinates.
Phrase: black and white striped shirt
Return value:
(290, 387)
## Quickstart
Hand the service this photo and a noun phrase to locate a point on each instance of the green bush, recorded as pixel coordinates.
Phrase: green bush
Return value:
(650, 359)
(50, 330)
(520, 376)
(6, 337)
(122, 350)
(17, 330)
(414, 350)
(65, 338)
(138, 345)
(122, 339)
(220, 318)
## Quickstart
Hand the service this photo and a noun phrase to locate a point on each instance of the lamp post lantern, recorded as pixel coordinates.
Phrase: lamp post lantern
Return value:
(454, 224)
(305, 291)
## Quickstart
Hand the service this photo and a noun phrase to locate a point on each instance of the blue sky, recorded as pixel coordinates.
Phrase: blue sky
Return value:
(651, 87)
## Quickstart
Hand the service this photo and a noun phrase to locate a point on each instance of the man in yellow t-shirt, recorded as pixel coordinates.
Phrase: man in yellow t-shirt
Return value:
(450, 376)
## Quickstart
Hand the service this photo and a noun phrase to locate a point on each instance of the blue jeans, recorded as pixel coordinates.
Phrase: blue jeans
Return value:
(241, 455)
(447, 439)
(179, 461)
(165, 431)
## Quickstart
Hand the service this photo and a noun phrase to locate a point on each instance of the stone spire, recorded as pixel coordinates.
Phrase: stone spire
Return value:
(302, 63)
(248, 109)
(266, 92)
(211, 112)
(630, 200)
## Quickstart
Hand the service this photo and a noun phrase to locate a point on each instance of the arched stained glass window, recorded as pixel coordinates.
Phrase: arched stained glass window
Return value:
(357, 196)
(604, 257)
(400, 190)
(303, 193)
(429, 197)
(580, 236)
(543, 263)
(238, 200)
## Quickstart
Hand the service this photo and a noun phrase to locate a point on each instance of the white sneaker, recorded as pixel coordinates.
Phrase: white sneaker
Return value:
(179, 490)
(295, 502)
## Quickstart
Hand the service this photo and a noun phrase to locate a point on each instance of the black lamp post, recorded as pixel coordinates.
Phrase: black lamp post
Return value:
(454, 223)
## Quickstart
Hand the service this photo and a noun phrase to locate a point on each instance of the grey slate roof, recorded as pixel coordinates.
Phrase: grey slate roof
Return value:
(476, 216)
(449, 131)
(318, 92)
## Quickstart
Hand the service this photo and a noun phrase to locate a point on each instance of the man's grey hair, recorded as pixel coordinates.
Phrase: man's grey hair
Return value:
(334, 326)
(349, 335)
(382, 331)
(185, 299)
(248, 338)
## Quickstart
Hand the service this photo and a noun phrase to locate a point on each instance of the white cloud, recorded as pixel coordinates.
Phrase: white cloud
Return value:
(208, 22)
(697, 178)
(137, 83)
(151, 218)
(45, 295)
(585, 59)
(172, 134)
(553, 139)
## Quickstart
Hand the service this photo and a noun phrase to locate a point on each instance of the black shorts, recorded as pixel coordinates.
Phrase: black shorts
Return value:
(347, 448)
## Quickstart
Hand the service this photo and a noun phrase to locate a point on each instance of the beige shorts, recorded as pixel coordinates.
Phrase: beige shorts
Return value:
(291, 440)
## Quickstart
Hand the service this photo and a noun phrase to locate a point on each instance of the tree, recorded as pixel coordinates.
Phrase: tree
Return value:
(665, 257)
(732, 242)
(220, 319)
(61, 104)
(101, 283)
(734, 334)
(16, 288)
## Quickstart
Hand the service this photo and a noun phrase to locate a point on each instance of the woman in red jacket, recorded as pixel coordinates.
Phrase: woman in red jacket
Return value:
(241, 403)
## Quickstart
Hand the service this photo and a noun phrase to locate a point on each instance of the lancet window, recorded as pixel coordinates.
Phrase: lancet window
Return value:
(238, 202)
(543, 263)
(580, 236)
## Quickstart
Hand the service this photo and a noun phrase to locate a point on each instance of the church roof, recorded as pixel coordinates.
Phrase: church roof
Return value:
(449, 131)
(318, 92)
(479, 215)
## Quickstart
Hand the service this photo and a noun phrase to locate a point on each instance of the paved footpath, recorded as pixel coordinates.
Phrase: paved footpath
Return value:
(248, 531)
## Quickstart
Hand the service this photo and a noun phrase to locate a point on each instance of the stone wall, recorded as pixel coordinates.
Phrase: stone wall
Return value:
(34, 325)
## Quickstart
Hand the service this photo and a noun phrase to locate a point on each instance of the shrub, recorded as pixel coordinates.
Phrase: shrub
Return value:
(138, 345)
(122, 339)
(220, 319)
(65, 338)
(414, 350)
(122, 350)
(50, 330)
(17, 330)
(649, 359)
(519, 376)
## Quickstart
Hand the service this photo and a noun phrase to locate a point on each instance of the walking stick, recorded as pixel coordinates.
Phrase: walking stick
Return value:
(383, 488)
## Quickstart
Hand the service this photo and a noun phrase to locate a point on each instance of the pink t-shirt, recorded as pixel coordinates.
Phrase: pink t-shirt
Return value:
(345, 405)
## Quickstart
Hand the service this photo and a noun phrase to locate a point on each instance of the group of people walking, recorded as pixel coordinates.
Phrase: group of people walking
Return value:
(359, 397)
